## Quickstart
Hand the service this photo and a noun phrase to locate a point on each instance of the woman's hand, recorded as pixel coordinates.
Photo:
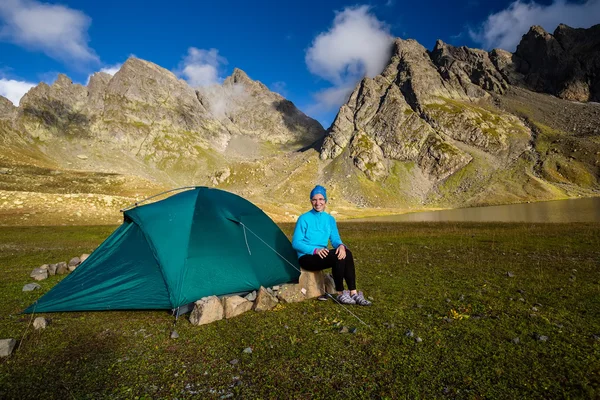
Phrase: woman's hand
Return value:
(322, 253)
(341, 252)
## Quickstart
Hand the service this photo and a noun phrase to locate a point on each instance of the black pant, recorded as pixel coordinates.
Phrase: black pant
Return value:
(341, 269)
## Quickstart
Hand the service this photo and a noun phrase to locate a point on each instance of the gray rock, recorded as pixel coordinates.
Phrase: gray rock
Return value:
(251, 296)
(45, 266)
(409, 333)
(39, 274)
(73, 262)
(235, 305)
(540, 338)
(344, 329)
(40, 323)
(418, 340)
(248, 350)
(174, 334)
(264, 300)
(6, 347)
(234, 361)
(353, 330)
(207, 310)
(510, 274)
(52, 269)
(30, 287)
(83, 257)
(62, 268)
(290, 293)
(515, 340)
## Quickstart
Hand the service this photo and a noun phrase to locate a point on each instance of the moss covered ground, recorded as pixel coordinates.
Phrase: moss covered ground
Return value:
(445, 282)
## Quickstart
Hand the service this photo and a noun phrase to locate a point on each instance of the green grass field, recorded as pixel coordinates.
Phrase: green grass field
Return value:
(419, 275)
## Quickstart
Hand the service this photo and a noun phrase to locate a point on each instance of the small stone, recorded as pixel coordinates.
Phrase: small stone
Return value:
(251, 296)
(521, 291)
(540, 338)
(510, 274)
(534, 309)
(40, 323)
(73, 262)
(39, 274)
(248, 350)
(418, 340)
(31, 286)
(7, 346)
(522, 299)
(419, 306)
(515, 340)
(462, 297)
(234, 361)
(344, 329)
(316, 331)
(353, 330)
(409, 333)
(448, 301)
(174, 335)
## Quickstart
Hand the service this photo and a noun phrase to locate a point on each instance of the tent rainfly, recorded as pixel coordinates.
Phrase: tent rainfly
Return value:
(170, 253)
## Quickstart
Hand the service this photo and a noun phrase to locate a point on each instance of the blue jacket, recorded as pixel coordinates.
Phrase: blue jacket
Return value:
(313, 231)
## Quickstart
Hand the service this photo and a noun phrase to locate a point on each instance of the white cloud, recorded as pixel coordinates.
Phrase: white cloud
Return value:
(111, 69)
(58, 31)
(356, 45)
(330, 99)
(14, 90)
(505, 28)
(201, 67)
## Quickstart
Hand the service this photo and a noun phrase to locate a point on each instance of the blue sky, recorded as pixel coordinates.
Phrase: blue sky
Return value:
(311, 52)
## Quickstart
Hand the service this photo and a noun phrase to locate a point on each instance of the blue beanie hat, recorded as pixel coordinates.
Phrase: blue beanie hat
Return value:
(319, 190)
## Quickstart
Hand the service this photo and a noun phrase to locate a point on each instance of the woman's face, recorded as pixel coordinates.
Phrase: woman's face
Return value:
(318, 202)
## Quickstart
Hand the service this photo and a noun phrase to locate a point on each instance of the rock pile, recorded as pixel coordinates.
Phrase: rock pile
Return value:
(60, 268)
(311, 284)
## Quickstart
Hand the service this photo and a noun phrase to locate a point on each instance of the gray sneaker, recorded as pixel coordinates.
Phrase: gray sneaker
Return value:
(345, 298)
(360, 299)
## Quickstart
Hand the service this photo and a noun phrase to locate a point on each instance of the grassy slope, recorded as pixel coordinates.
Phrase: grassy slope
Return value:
(417, 273)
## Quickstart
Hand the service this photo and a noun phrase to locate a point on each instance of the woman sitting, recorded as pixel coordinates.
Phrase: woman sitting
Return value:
(314, 229)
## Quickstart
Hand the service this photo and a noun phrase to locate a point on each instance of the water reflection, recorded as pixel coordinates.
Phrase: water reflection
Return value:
(572, 210)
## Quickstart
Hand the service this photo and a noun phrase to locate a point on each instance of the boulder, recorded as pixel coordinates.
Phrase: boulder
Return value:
(83, 257)
(39, 274)
(52, 269)
(7, 346)
(45, 266)
(264, 300)
(313, 282)
(251, 296)
(291, 293)
(62, 268)
(40, 323)
(329, 284)
(235, 305)
(207, 310)
(30, 287)
(75, 261)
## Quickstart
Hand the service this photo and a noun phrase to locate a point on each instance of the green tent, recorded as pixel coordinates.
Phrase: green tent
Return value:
(170, 253)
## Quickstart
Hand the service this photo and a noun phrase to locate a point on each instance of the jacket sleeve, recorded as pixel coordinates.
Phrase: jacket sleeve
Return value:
(334, 237)
(298, 239)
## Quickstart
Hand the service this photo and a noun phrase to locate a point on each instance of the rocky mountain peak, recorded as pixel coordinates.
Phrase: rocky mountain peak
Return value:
(7, 108)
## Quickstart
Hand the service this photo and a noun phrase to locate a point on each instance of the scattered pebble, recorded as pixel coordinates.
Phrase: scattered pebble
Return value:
(234, 361)
(316, 331)
(418, 340)
(522, 299)
(510, 274)
(353, 330)
(370, 298)
(409, 333)
(448, 301)
(462, 297)
(516, 340)
(248, 350)
(419, 306)
(540, 338)
(535, 309)
(388, 325)
(537, 305)
(174, 335)
(559, 326)
(344, 329)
